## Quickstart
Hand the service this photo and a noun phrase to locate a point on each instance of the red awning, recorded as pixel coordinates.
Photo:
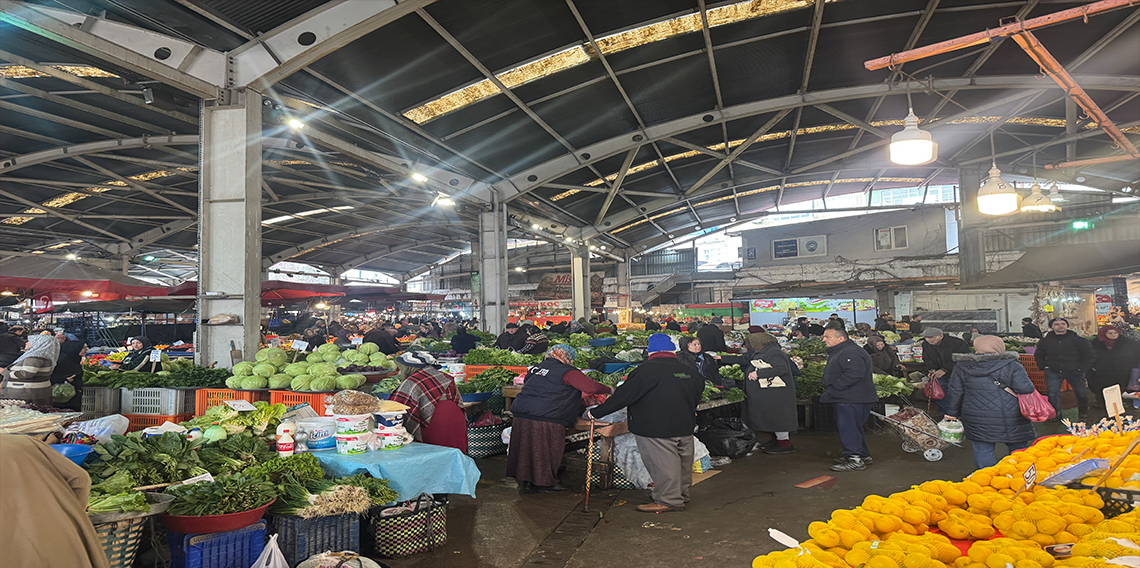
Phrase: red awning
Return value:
(70, 280)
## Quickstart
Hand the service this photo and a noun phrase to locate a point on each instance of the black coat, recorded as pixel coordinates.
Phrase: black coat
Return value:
(652, 326)
(508, 340)
(1114, 366)
(463, 342)
(1068, 352)
(941, 356)
(770, 401)
(987, 412)
(712, 338)
(662, 396)
(673, 326)
(847, 376)
(711, 367)
(884, 361)
(1031, 330)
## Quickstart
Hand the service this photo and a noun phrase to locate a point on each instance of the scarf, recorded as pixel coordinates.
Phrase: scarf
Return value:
(988, 344)
(42, 346)
(1102, 336)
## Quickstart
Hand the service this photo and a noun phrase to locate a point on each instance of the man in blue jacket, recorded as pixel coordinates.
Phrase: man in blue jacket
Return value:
(847, 382)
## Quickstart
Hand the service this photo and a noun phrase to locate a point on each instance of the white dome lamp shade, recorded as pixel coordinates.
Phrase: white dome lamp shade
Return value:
(996, 197)
(1037, 201)
(912, 146)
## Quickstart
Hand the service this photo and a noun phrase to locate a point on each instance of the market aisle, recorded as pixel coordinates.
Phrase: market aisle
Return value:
(725, 524)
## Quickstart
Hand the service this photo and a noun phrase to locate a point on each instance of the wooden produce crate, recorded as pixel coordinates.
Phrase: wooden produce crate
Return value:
(205, 398)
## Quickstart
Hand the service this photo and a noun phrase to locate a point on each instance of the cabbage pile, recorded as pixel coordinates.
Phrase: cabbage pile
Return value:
(319, 371)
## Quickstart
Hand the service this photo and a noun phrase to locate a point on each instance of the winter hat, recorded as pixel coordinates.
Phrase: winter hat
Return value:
(931, 332)
(416, 359)
(660, 342)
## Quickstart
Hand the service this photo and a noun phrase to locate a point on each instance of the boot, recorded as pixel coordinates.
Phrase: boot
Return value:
(1083, 412)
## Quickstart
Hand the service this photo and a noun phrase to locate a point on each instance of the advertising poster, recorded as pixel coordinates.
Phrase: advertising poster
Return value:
(775, 311)
(557, 287)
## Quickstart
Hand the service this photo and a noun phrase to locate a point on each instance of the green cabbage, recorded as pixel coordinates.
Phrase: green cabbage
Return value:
(314, 358)
(331, 356)
(300, 383)
(264, 370)
(262, 354)
(243, 369)
(321, 384)
(296, 369)
(277, 357)
(377, 358)
(280, 381)
(346, 382)
(254, 382)
(368, 348)
(62, 392)
(234, 382)
(328, 348)
(321, 369)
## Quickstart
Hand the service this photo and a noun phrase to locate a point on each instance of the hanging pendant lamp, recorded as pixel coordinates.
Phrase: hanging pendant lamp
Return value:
(1037, 201)
(996, 197)
(912, 146)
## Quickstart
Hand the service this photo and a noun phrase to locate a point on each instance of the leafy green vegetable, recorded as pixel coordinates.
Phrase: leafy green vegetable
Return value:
(710, 392)
(194, 376)
(388, 384)
(809, 383)
(125, 379)
(377, 489)
(808, 346)
(300, 467)
(734, 395)
(488, 381)
(579, 340)
(481, 356)
(118, 503)
(732, 372)
(236, 453)
(887, 385)
(157, 459)
(226, 494)
(321, 498)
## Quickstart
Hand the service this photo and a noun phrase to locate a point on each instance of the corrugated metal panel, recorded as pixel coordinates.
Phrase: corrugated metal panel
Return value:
(261, 15)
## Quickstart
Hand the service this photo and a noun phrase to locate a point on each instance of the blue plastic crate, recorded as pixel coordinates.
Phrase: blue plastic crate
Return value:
(301, 538)
(232, 549)
(615, 367)
(602, 341)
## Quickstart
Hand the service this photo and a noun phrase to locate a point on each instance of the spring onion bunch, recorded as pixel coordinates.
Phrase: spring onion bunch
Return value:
(321, 498)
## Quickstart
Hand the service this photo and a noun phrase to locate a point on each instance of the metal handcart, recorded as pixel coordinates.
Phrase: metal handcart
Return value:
(918, 430)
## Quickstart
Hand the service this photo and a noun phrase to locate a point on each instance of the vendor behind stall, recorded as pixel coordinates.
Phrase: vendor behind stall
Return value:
(421, 391)
(692, 354)
(69, 369)
(28, 378)
(138, 358)
(550, 401)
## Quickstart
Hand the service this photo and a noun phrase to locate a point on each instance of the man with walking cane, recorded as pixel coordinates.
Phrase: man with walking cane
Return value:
(662, 395)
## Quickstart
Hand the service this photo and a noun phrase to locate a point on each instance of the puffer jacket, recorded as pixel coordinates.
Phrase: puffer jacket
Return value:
(989, 413)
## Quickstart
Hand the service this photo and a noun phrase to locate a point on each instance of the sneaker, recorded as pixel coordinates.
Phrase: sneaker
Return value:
(767, 445)
(867, 460)
(854, 463)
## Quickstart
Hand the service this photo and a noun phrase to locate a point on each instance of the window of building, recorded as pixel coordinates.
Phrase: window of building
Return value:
(890, 238)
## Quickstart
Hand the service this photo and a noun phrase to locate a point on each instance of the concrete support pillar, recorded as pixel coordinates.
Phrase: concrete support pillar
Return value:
(229, 228)
(580, 280)
(625, 300)
(971, 230)
(489, 269)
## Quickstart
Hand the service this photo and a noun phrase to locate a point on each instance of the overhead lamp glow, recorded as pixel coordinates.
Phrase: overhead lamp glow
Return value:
(442, 200)
(149, 258)
(87, 293)
(296, 124)
(321, 306)
(1037, 201)
(518, 269)
(72, 256)
(912, 146)
(419, 177)
(6, 293)
(536, 226)
(996, 197)
(1055, 194)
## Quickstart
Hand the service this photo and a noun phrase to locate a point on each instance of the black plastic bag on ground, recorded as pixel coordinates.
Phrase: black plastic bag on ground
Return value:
(727, 436)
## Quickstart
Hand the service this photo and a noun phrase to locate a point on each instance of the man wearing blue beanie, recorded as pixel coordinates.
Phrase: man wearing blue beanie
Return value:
(662, 396)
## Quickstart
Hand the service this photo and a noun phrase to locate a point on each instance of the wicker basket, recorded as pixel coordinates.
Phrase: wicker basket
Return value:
(120, 540)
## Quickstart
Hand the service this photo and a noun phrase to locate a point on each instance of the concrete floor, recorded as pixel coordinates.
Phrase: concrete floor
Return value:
(725, 524)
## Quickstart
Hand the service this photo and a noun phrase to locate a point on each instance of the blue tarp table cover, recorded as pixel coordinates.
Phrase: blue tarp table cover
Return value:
(411, 470)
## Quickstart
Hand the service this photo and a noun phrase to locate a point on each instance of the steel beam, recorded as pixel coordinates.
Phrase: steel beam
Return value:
(739, 150)
(55, 213)
(616, 186)
(13, 163)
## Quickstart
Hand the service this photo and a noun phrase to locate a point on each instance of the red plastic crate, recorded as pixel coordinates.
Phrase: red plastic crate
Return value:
(290, 398)
(205, 398)
(1038, 378)
(143, 421)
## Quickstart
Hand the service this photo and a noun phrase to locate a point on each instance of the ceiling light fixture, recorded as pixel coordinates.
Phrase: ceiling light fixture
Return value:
(419, 177)
(1055, 194)
(912, 146)
(518, 269)
(1037, 200)
(296, 124)
(72, 256)
(6, 293)
(996, 197)
(442, 200)
(536, 226)
(321, 306)
(87, 293)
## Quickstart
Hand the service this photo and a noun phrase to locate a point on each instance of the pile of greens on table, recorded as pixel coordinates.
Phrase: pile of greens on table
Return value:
(487, 381)
(808, 346)
(809, 383)
(236, 422)
(732, 372)
(887, 385)
(387, 385)
(502, 357)
(116, 494)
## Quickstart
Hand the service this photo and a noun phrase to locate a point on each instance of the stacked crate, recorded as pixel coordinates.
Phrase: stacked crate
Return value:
(1038, 376)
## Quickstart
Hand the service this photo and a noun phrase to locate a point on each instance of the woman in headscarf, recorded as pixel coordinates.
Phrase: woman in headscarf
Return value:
(424, 388)
(1126, 331)
(769, 391)
(982, 393)
(1116, 356)
(589, 327)
(138, 358)
(69, 369)
(549, 403)
(536, 341)
(884, 358)
(707, 365)
(28, 378)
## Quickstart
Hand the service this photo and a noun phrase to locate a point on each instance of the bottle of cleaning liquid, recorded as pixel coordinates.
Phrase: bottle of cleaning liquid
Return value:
(194, 434)
(301, 441)
(285, 445)
(215, 433)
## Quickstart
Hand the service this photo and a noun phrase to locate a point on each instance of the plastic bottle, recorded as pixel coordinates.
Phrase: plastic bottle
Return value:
(215, 433)
(301, 442)
(286, 426)
(285, 445)
(194, 434)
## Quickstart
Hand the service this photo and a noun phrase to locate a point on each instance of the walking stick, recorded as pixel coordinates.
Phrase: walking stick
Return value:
(589, 467)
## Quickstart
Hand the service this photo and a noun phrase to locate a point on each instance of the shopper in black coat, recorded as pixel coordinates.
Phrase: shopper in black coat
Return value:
(884, 358)
(938, 354)
(692, 353)
(1030, 329)
(770, 392)
(712, 338)
(462, 342)
(651, 325)
(1116, 356)
(976, 395)
(848, 383)
(1065, 356)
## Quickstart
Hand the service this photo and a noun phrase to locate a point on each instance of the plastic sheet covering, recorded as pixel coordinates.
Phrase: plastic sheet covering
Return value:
(628, 458)
(411, 470)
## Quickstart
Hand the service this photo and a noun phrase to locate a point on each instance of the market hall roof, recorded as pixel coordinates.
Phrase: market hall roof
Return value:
(631, 123)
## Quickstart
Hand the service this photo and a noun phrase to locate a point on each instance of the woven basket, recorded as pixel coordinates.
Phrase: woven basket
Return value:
(120, 540)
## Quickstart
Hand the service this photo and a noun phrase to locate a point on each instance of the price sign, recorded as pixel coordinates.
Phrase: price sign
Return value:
(357, 340)
(155, 356)
(240, 405)
(1113, 402)
(1030, 477)
(300, 345)
(197, 478)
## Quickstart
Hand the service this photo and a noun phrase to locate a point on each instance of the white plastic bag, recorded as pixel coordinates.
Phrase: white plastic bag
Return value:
(102, 428)
(271, 557)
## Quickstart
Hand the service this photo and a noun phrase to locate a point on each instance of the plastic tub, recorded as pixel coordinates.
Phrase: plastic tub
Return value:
(212, 523)
(77, 453)
(322, 433)
(353, 423)
(352, 444)
(390, 419)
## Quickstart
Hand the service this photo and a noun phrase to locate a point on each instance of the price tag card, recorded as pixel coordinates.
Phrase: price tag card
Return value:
(197, 478)
(300, 345)
(155, 356)
(240, 405)
(357, 340)
(1030, 477)
(275, 342)
(1113, 402)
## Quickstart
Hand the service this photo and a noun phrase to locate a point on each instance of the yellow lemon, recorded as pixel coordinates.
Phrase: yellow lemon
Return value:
(999, 560)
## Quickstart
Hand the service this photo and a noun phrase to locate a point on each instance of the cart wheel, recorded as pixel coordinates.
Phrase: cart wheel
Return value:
(932, 455)
(910, 447)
